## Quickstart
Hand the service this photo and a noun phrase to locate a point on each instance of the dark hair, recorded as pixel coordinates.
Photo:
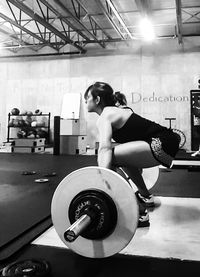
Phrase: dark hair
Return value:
(120, 98)
(104, 91)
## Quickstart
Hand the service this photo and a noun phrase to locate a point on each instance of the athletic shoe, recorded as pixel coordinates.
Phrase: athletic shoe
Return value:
(148, 201)
(143, 220)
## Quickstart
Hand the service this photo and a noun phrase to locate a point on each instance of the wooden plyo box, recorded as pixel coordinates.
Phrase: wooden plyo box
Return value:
(73, 145)
(29, 142)
(23, 149)
(72, 127)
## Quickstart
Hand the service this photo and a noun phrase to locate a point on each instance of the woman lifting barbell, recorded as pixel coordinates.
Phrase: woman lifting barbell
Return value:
(142, 142)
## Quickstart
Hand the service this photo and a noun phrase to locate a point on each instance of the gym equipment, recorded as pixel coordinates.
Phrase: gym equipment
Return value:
(28, 120)
(178, 132)
(15, 111)
(29, 113)
(23, 112)
(56, 134)
(38, 112)
(196, 153)
(41, 133)
(40, 124)
(21, 123)
(10, 123)
(95, 212)
(28, 172)
(42, 180)
(50, 174)
(27, 268)
(21, 134)
(15, 122)
(196, 110)
(33, 123)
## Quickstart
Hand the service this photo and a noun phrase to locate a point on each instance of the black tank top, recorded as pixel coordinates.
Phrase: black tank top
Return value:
(137, 128)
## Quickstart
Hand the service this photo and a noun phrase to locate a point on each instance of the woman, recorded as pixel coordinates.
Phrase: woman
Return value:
(142, 143)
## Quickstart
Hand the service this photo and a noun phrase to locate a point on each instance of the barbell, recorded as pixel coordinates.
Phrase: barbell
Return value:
(95, 212)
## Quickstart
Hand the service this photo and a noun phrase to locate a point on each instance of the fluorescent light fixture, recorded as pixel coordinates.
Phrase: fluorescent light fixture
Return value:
(146, 29)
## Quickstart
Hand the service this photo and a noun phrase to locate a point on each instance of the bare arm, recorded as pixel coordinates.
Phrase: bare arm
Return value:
(105, 145)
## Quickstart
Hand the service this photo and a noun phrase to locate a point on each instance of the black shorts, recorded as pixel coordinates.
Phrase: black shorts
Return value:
(164, 147)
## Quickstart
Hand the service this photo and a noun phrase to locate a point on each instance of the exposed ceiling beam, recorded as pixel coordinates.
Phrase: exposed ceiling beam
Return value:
(43, 22)
(118, 16)
(60, 4)
(111, 13)
(195, 23)
(91, 17)
(64, 19)
(14, 38)
(14, 23)
(194, 17)
(179, 21)
(40, 55)
(110, 19)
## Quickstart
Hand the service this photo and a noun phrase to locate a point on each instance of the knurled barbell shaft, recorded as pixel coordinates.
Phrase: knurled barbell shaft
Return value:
(77, 228)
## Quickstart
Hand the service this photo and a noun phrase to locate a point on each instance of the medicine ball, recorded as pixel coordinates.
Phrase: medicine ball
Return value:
(23, 112)
(33, 123)
(196, 111)
(42, 133)
(28, 120)
(29, 113)
(38, 112)
(21, 134)
(10, 124)
(15, 111)
(21, 122)
(16, 122)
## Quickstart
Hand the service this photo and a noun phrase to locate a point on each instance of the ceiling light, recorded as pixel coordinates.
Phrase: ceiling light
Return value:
(146, 29)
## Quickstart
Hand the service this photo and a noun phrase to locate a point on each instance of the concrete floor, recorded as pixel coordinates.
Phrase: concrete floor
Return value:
(174, 232)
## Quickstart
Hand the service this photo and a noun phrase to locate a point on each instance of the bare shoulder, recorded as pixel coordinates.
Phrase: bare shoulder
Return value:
(116, 116)
(110, 112)
(107, 115)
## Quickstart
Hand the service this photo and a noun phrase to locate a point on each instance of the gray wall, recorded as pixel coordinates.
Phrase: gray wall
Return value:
(156, 78)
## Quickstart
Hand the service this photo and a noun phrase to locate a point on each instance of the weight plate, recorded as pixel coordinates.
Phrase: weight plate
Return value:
(41, 180)
(99, 206)
(37, 268)
(50, 174)
(28, 172)
(118, 189)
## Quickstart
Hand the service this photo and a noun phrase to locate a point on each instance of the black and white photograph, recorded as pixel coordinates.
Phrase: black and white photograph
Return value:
(99, 138)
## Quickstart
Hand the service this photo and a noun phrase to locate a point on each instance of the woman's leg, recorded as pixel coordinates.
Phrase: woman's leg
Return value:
(132, 157)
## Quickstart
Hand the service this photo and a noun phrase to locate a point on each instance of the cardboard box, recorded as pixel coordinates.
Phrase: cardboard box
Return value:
(29, 142)
(73, 145)
(18, 149)
(73, 127)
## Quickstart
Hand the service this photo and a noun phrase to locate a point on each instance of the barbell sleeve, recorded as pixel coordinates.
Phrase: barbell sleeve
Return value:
(77, 228)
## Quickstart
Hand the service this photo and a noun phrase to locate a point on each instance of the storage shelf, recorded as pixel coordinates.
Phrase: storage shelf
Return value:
(27, 127)
(44, 114)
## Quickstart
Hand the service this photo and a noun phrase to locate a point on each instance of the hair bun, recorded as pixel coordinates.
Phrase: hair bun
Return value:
(120, 98)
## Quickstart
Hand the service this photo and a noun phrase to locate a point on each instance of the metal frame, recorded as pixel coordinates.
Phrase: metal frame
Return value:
(69, 29)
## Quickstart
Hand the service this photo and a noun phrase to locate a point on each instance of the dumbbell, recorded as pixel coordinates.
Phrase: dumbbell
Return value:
(95, 212)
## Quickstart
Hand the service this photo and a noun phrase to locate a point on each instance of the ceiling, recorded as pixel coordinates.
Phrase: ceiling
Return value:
(74, 26)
